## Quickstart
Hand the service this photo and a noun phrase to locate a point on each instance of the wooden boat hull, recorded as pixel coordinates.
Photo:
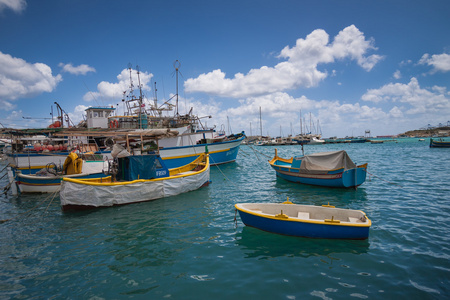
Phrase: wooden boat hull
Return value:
(265, 219)
(47, 184)
(346, 179)
(439, 144)
(219, 153)
(340, 173)
(85, 194)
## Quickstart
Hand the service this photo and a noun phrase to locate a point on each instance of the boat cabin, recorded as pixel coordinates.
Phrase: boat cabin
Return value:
(97, 117)
(141, 167)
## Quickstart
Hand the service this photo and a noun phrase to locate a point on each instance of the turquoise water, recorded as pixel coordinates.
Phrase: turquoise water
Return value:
(189, 246)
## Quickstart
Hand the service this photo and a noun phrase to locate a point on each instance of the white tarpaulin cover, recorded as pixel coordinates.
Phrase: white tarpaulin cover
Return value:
(107, 195)
(325, 161)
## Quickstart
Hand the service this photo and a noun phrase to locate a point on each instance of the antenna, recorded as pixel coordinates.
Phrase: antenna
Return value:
(140, 97)
(177, 65)
(131, 79)
(260, 122)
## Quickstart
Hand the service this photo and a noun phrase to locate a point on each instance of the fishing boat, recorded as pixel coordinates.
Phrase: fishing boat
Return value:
(376, 141)
(440, 143)
(224, 151)
(316, 141)
(133, 179)
(48, 180)
(329, 169)
(310, 221)
(188, 135)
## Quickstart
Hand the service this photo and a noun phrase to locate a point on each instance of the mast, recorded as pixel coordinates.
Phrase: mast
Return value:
(140, 97)
(156, 103)
(260, 122)
(176, 65)
(301, 125)
(310, 125)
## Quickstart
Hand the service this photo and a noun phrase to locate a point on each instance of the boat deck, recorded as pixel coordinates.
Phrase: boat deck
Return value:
(315, 214)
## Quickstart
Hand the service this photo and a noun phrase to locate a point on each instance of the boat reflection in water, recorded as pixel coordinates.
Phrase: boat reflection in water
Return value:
(265, 245)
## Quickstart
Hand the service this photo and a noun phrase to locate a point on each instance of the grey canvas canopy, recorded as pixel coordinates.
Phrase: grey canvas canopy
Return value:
(324, 161)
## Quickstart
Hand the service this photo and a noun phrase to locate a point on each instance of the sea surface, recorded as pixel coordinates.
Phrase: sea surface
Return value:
(194, 246)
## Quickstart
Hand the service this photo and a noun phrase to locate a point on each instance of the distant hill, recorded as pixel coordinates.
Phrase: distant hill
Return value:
(438, 131)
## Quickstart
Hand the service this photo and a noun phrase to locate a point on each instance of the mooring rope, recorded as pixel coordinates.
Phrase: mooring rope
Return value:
(390, 182)
(244, 153)
(53, 195)
(222, 172)
(259, 152)
(4, 168)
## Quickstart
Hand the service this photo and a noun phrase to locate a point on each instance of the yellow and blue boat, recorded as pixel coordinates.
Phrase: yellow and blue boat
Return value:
(439, 143)
(329, 169)
(134, 179)
(309, 221)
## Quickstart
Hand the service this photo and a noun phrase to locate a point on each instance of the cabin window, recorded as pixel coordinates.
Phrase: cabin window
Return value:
(95, 114)
(100, 114)
(90, 115)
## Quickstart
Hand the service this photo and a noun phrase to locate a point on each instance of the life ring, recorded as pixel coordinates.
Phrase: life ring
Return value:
(109, 142)
(114, 124)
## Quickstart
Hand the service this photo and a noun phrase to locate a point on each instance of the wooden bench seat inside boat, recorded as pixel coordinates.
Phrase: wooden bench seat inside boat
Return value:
(184, 173)
(303, 215)
(354, 220)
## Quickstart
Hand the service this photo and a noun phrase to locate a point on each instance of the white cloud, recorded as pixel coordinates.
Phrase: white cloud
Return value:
(396, 109)
(114, 91)
(299, 69)
(20, 79)
(397, 74)
(396, 112)
(77, 115)
(419, 101)
(79, 70)
(439, 62)
(15, 5)
(405, 62)
(282, 110)
(351, 43)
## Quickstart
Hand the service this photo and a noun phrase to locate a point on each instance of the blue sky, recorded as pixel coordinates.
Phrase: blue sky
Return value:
(350, 66)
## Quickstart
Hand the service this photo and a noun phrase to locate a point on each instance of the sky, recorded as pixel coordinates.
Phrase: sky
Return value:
(339, 68)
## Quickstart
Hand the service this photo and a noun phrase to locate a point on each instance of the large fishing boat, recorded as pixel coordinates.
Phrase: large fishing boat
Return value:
(178, 149)
(184, 141)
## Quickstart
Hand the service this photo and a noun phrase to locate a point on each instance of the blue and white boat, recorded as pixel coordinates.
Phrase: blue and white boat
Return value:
(48, 179)
(220, 152)
(329, 169)
(310, 221)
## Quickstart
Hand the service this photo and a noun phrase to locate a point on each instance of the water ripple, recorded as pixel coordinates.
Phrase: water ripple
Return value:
(189, 246)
